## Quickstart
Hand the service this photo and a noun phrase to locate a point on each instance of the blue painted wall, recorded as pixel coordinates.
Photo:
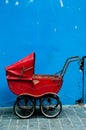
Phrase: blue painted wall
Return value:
(54, 30)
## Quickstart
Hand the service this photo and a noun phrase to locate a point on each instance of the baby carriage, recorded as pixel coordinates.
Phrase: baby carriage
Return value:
(30, 87)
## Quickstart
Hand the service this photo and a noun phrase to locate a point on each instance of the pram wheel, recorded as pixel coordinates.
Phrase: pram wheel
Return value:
(51, 106)
(24, 106)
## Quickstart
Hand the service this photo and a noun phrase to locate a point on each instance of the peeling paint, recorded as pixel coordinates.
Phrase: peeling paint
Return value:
(61, 3)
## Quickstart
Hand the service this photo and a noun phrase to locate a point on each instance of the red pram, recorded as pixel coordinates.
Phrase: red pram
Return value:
(29, 86)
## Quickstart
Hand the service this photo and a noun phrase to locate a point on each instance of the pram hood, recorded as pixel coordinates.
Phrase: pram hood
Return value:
(23, 69)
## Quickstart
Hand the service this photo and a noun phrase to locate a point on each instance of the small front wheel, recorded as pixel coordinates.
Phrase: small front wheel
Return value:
(51, 106)
(24, 107)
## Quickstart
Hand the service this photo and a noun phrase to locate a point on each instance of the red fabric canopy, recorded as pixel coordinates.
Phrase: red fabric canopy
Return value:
(23, 69)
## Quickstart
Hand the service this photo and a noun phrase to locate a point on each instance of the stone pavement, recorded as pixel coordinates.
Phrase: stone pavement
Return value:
(71, 118)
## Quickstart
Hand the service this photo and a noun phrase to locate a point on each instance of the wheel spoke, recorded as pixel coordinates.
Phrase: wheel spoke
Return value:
(51, 106)
(24, 107)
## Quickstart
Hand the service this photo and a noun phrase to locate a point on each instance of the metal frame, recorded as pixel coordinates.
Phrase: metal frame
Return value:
(70, 59)
(82, 64)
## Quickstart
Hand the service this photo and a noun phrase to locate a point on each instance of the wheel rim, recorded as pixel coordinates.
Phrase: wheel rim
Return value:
(51, 106)
(24, 107)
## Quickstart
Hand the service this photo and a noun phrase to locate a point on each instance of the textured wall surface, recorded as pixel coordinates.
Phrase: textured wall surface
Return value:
(54, 30)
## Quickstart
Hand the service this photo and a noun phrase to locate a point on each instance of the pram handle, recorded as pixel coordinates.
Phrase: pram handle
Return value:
(70, 59)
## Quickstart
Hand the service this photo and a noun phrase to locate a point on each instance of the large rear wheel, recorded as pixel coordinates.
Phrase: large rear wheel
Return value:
(24, 106)
(51, 106)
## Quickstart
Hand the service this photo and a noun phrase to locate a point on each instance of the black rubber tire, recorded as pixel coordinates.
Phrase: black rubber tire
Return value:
(50, 106)
(24, 106)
